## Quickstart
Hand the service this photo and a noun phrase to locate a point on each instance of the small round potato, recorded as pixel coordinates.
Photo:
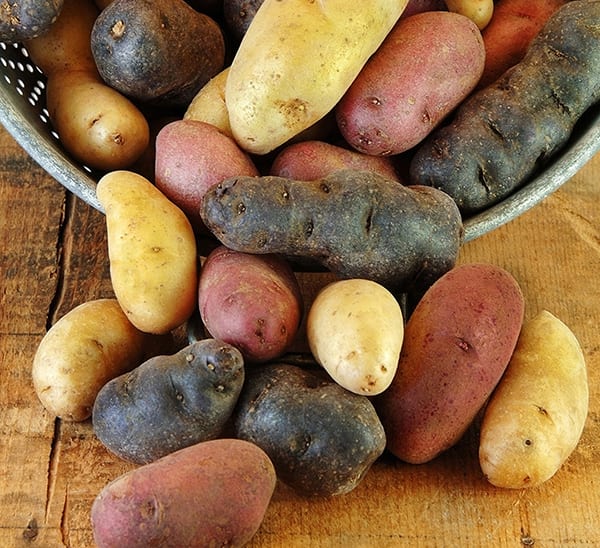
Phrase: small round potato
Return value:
(88, 346)
(355, 330)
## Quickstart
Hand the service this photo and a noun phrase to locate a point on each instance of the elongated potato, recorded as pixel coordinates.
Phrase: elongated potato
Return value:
(355, 330)
(357, 224)
(214, 493)
(536, 416)
(295, 62)
(84, 349)
(457, 344)
(152, 252)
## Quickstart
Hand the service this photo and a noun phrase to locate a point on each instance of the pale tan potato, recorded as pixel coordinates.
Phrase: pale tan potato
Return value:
(100, 127)
(209, 104)
(81, 352)
(536, 416)
(479, 11)
(152, 252)
(295, 62)
(355, 330)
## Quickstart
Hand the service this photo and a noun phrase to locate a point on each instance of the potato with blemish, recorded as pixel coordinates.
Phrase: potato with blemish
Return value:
(355, 330)
(536, 416)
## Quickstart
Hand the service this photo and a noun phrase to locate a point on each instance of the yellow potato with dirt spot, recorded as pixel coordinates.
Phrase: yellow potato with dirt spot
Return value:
(355, 330)
(151, 250)
(295, 62)
(536, 416)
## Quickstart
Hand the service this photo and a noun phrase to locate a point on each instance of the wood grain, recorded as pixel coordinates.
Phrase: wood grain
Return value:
(53, 257)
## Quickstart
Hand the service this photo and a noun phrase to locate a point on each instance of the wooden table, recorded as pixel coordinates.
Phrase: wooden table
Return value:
(53, 257)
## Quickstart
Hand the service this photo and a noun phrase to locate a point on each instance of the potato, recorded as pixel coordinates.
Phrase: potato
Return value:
(478, 11)
(176, 50)
(100, 127)
(208, 105)
(457, 344)
(152, 252)
(295, 62)
(536, 415)
(24, 19)
(191, 157)
(97, 125)
(310, 160)
(66, 44)
(169, 402)
(505, 133)
(355, 223)
(439, 57)
(214, 493)
(354, 330)
(238, 15)
(321, 438)
(419, 6)
(84, 349)
(513, 26)
(250, 301)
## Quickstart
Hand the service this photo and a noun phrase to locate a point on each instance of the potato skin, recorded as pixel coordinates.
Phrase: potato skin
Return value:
(192, 156)
(502, 134)
(306, 423)
(379, 116)
(514, 25)
(213, 493)
(457, 344)
(253, 302)
(169, 402)
(295, 62)
(157, 53)
(152, 252)
(25, 19)
(349, 222)
(91, 344)
(537, 413)
(354, 330)
(313, 159)
(238, 15)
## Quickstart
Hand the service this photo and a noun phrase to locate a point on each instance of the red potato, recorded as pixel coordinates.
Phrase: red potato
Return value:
(214, 493)
(419, 6)
(192, 156)
(510, 31)
(457, 344)
(310, 160)
(425, 67)
(252, 302)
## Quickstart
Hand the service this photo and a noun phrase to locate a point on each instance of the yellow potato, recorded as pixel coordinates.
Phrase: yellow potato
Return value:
(479, 11)
(295, 62)
(536, 416)
(99, 126)
(152, 252)
(209, 104)
(82, 351)
(355, 330)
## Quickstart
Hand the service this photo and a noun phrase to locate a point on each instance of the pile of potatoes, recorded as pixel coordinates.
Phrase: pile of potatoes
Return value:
(313, 135)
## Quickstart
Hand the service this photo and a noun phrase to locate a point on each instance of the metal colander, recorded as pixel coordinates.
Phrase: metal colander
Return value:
(24, 115)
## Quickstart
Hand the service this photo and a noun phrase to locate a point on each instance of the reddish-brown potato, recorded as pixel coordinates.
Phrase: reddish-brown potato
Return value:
(457, 344)
(214, 493)
(192, 156)
(425, 67)
(310, 160)
(252, 302)
(510, 31)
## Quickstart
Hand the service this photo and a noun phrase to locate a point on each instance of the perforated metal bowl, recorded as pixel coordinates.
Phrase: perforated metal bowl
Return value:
(24, 115)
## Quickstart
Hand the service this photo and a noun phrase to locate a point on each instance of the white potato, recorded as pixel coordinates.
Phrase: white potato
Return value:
(536, 416)
(355, 330)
